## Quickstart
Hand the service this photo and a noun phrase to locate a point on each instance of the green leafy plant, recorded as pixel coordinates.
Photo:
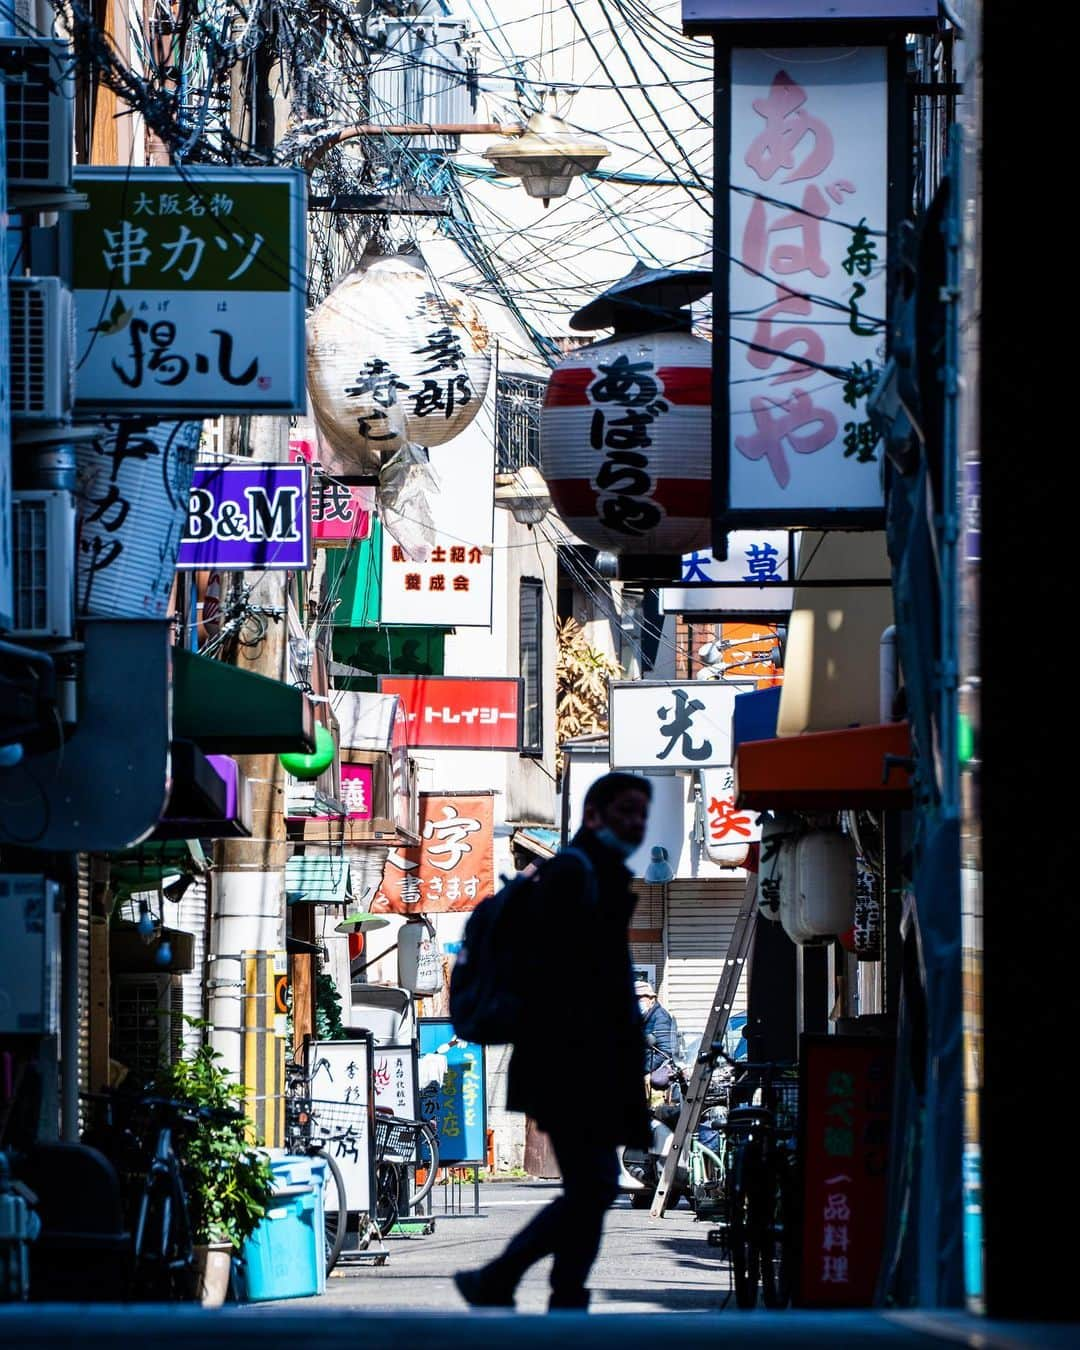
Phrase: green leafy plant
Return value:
(228, 1182)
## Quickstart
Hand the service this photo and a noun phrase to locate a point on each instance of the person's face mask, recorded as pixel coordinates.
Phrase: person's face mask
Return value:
(644, 1004)
(610, 839)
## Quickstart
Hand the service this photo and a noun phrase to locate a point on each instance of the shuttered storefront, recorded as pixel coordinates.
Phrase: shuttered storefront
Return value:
(701, 917)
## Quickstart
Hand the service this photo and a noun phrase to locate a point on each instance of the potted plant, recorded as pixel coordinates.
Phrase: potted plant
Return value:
(228, 1182)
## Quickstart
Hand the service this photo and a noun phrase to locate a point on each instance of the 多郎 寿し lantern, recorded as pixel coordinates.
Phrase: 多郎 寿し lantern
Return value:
(625, 443)
(395, 356)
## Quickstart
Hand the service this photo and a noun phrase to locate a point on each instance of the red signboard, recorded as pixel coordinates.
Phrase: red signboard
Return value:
(452, 868)
(356, 791)
(845, 1117)
(448, 712)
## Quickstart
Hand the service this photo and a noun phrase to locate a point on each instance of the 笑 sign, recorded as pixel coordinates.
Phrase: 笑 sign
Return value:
(459, 712)
(456, 1100)
(845, 1104)
(668, 724)
(452, 868)
(755, 578)
(805, 287)
(245, 517)
(190, 289)
(728, 832)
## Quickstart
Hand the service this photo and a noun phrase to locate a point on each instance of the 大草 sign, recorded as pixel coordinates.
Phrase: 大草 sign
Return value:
(190, 289)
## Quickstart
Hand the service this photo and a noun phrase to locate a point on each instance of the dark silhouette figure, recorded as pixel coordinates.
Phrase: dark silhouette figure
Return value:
(594, 904)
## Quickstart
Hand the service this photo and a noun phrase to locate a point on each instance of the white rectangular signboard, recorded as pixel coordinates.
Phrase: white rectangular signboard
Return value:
(343, 1112)
(754, 579)
(190, 289)
(806, 285)
(671, 724)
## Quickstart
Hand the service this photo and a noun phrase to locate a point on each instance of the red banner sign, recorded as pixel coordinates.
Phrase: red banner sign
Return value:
(449, 712)
(452, 868)
(845, 1109)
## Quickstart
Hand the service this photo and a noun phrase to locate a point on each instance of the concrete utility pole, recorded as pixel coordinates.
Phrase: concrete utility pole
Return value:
(247, 931)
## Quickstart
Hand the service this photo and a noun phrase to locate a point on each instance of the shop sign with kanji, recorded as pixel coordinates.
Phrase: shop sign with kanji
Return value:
(667, 724)
(190, 290)
(341, 514)
(449, 712)
(729, 831)
(452, 868)
(806, 286)
(247, 517)
(755, 578)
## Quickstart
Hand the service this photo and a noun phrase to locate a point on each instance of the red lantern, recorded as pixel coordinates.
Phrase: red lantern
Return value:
(625, 443)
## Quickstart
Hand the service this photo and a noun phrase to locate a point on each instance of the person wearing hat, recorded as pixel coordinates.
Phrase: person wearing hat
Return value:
(657, 1022)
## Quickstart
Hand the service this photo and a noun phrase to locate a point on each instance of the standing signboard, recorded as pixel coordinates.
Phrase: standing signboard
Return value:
(247, 517)
(452, 587)
(343, 1107)
(452, 867)
(455, 1103)
(845, 1111)
(803, 135)
(190, 288)
(396, 1080)
(450, 712)
(671, 724)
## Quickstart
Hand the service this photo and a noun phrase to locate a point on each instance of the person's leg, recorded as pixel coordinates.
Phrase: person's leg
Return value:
(590, 1181)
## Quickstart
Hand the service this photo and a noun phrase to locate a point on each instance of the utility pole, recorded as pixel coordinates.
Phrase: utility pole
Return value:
(247, 931)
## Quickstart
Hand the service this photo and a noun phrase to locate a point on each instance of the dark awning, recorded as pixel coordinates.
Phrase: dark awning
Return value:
(209, 798)
(227, 710)
(864, 767)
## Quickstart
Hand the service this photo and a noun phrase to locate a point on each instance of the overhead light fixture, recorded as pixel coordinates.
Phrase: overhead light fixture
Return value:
(361, 921)
(547, 157)
(524, 494)
(659, 869)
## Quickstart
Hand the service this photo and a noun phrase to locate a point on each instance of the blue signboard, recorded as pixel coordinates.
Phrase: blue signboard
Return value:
(246, 517)
(456, 1103)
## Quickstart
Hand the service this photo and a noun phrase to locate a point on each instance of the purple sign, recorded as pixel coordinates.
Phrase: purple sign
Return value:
(247, 517)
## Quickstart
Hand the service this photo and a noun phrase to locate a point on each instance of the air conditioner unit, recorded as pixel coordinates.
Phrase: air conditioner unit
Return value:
(42, 349)
(43, 554)
(29, 955)
(39, 96)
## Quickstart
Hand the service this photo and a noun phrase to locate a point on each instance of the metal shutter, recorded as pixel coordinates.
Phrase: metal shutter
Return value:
(701, 918)
(84, 972)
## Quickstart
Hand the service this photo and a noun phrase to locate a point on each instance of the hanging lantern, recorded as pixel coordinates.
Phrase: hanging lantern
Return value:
(625, 433)
(821, 904)
(395, 357)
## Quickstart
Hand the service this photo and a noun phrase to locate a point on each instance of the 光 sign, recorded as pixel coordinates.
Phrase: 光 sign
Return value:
(247, 517)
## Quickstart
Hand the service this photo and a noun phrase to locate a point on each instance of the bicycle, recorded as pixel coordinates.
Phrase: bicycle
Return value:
(398, 1149)
(759, 1231)
(301, 1137)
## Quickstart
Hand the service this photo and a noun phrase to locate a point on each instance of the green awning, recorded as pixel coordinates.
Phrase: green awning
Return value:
(229, 711)
(317, 880)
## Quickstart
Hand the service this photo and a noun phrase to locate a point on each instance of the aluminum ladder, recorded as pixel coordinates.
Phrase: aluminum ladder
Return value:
(734, 963)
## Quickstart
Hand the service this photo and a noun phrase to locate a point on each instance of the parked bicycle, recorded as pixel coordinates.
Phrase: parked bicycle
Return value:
(402, 1147)
(301, 1136)
(759, 1230)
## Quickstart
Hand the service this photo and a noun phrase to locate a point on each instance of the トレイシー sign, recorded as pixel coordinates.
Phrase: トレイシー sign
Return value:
(190, 289)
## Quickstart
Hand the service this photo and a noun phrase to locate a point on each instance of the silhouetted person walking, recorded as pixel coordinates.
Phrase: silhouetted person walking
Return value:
(603, 1037)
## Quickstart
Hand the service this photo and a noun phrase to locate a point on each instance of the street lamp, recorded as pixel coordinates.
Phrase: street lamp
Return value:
(547, 156)
(524, 494)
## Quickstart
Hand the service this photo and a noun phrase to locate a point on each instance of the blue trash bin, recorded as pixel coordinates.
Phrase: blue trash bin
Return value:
(284, 1257)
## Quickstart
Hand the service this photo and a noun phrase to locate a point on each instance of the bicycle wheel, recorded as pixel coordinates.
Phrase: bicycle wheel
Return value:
(777, 1232)
(387, 1196)
(429, 1159)
(335, 1212)
(742, 1242)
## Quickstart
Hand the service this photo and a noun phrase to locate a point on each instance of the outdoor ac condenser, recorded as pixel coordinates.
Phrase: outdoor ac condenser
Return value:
(42, 349)
(29, 955)
(39, 99)
(43, 553)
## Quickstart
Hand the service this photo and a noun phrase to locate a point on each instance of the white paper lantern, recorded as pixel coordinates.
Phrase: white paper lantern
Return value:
(625, 443)
(395, 356)
(821, 904)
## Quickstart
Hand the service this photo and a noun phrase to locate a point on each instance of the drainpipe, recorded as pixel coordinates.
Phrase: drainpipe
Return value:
(888, 674)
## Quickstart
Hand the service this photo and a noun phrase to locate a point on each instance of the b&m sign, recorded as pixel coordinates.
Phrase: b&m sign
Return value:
(247, 517)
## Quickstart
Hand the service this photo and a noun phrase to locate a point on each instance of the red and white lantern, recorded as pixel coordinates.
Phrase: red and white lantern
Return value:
(625, 443)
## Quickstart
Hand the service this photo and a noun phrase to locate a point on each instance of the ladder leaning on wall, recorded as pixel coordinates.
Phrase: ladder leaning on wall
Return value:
(715, 1028)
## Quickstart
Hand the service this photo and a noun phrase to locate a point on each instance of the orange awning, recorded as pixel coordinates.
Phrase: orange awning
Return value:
(826, 770)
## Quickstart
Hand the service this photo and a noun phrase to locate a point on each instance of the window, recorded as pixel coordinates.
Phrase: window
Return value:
(530, 655)
(517, 422)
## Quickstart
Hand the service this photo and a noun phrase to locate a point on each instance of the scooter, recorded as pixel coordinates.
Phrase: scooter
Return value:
(640, 1169)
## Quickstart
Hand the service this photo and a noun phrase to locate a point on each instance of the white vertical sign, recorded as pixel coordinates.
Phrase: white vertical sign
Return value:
(807, 280)
(342, 1112)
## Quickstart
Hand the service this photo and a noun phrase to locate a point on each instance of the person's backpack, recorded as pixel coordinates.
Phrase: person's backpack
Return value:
(486, 1002)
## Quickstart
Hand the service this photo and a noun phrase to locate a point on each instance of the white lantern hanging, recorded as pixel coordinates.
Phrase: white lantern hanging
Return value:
(395, 357)
(625, 443)
(821, 904)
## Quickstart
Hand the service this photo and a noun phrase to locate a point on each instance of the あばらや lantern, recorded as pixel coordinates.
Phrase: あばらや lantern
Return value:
(625, 443)
(395, 357)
